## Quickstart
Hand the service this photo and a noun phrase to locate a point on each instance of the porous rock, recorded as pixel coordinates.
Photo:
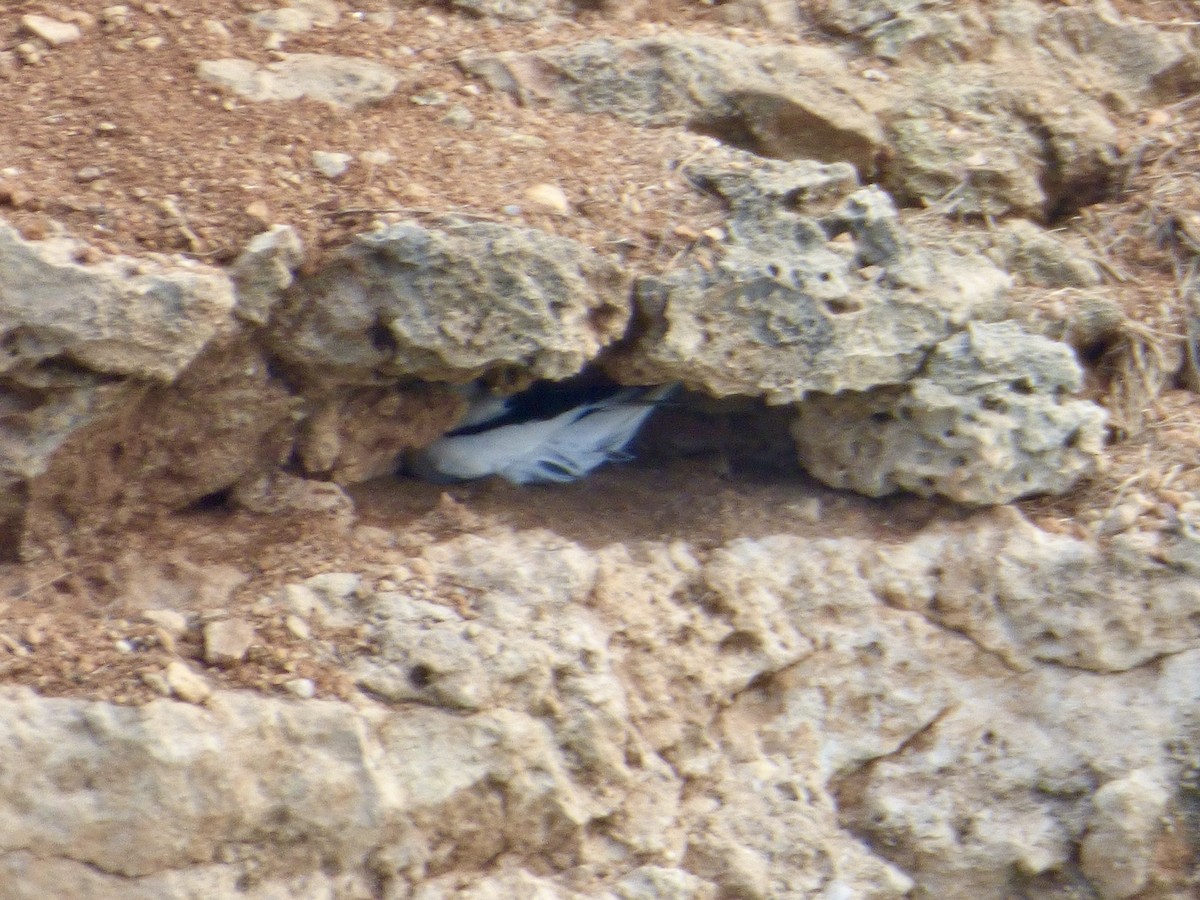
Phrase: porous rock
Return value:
(344, 81)
(796, 302)
(118, 316)
(986, 421)
(1031, 597)
(81, 347)
(1118, 850)
(967, 131)
(227, 641)
(264, 270)
(766, 718)
(789, 102)
(452, 305)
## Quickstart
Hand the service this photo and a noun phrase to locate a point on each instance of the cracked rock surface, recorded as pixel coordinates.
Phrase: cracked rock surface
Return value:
(897, 597)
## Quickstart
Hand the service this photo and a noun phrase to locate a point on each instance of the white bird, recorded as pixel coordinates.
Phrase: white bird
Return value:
(553, 432)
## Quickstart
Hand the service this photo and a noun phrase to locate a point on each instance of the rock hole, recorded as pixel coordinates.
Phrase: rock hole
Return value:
(740, 642)
(212, 502)
(1022, 386)
(382, 338)
(420, 676)
(842, 305)
(787, 791)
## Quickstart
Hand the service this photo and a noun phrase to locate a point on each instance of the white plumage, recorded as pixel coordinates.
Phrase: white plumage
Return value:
(531, 438)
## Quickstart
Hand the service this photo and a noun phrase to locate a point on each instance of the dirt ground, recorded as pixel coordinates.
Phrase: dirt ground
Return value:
(111, 138)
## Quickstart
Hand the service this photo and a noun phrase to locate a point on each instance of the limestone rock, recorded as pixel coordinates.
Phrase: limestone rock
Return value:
(1118, 850)
(1042, 258)
(796, 303)
(227, 641)
(766, 718)
(789, 102)
(264, 270)
(189, 686)
(344, 81)
(512, 10)
(451, 305)
(965, 132)
(119, 316)
(984, 422)
(1032, 597)
(52, 31)
(659, 883)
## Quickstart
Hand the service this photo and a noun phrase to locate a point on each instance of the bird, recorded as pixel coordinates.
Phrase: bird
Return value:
(553, 432)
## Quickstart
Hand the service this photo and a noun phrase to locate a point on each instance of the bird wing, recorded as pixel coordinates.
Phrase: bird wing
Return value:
(560, 448)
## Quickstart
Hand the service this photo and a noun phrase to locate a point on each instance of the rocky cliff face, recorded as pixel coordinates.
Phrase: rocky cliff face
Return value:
(901, 597)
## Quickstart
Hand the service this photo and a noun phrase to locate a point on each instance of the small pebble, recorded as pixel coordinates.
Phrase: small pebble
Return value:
(157, 683)
(459, 117)
(52, 31)
(300, 599)
(304, 688)
(167, 619)
(226, 642)
(298, 627)
(376, 157)
(331, 165)
(115, 15)
(550, 197)
(186, 684)
(30, 53)
(430, 98)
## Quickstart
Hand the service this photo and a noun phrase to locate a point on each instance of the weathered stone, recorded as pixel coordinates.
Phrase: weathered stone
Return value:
(1043, 259)
(130, 446)
(1032, 597)
(189, 686)
(789, 102)
(170, 620)
(331, 165)
(858, 747)
(452, 305)
(278, 493)
(985, 422)
(118, 316)
(227, 641)
(338, 80)
(264, 270)
(659, 883)
(512, 10)
(787, 308)
(52, 31)
(1118, 850)
(286, 19)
